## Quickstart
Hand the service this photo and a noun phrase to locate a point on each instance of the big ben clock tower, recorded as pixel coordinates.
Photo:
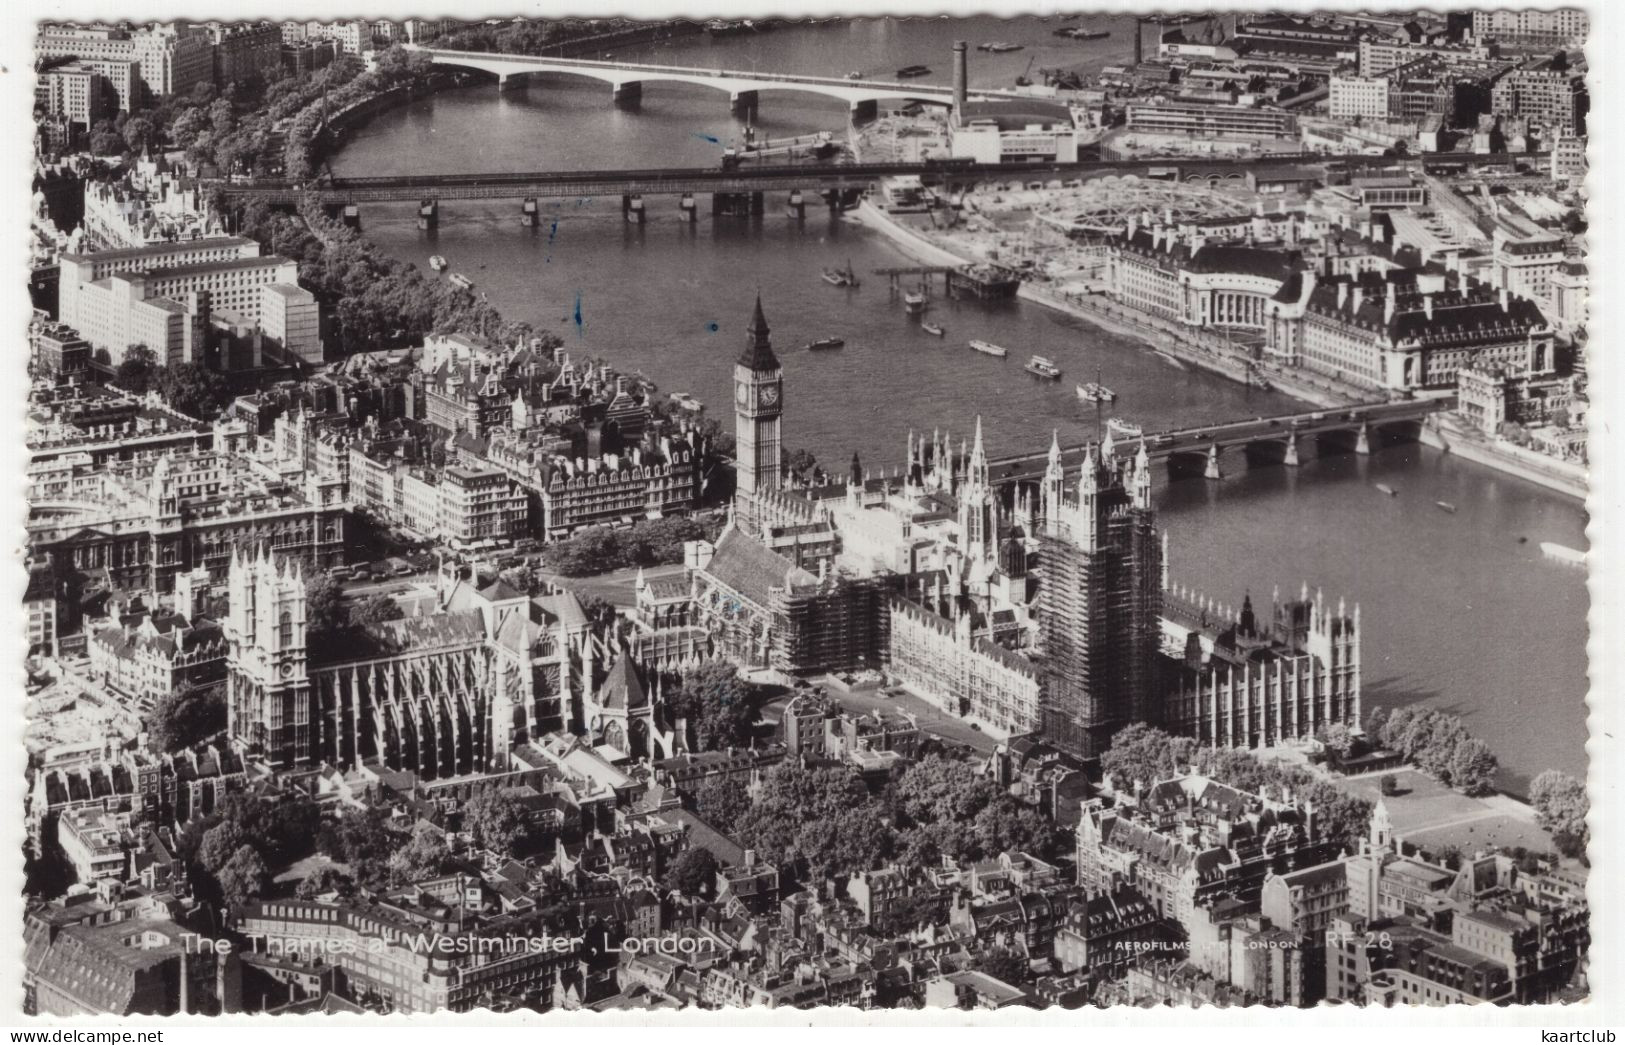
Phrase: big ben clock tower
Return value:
(758, 406)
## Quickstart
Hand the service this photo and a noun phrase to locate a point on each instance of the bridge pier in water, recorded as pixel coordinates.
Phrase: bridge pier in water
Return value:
(628, 95)
(687, 209)
(866, 110)
(1211, 471)
(528, 213)
(1362, 442)
(743, 103)
(758, 202)
(632, 209)
(1290, 459)
(429, 215)
(797, 207)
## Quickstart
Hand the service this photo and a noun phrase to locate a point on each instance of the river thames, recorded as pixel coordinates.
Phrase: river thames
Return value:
(1456, 611)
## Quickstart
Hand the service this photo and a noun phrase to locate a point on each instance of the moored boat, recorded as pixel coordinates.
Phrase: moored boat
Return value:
(855, 74)
(437, 263)
(1039, 366)
(914, 302)
(834, 278)
(1563, 553)
(825, 342)
(933, 329)
(909, 72)
(988, 348)
(1125, 429)
(461, 280)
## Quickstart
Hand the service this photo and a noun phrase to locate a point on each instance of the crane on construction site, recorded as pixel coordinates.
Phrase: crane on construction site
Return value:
(1025, 79)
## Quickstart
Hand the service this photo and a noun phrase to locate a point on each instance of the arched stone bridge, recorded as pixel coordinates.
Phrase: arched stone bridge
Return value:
(1200, 450)
(744, 87)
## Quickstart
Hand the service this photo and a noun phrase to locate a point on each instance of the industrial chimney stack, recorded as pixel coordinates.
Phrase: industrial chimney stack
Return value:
(961, 77)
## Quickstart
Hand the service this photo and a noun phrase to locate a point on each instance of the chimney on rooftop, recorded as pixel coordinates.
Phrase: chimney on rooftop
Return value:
(1388, 305)
(1504, 301)
(961, 77)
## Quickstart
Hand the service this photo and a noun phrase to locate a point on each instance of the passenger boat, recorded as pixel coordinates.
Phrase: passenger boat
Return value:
(933, 329)
(462, 281)
(914, 302)
(998, 47)
(1389, 490)
(1563, 553)
(1039, 366)
(909, 72)
(825, 342)
(987, 348)
(1095, 392)
(835, 278)
(1125, 429)
(437, 263)
(1446, 506)
(1079, 32)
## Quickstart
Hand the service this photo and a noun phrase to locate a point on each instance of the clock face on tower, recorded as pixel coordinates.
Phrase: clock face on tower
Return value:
(770, 394)
(742, 394)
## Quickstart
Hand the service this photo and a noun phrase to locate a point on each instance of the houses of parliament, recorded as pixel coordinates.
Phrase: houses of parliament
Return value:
(1028, 610)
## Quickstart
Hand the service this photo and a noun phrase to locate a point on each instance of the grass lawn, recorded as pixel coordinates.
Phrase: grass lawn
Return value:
(1428, 814)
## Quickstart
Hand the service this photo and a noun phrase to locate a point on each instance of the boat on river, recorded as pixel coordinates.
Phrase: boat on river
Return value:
(825, 342)
(933, 329)
(458, 279)
(437, 263)
(1389, 490)
(1445, 506)
(914, 302)
(1123, 429)
(1563, 553)
(1041, 366)
(909, 72)
(1095, 392)
(988, 348)
(999, 47)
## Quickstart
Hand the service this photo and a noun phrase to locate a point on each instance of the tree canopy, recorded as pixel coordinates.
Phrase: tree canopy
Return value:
(716, 702)
(1563, 805)
(186, 716)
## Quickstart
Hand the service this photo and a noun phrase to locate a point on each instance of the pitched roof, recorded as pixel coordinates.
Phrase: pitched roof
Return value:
(752, 569)
(623, 688)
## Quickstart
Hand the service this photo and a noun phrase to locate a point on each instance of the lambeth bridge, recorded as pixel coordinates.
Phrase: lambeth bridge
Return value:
(1269, 440)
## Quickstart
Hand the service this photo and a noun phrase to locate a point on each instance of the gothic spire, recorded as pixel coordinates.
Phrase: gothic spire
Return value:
(758, 354)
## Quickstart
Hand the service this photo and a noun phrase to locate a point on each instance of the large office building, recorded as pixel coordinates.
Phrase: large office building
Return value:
(1542, 30)
(171, 59)
(245, 51)
(1553, 100)
(1101, 602)
(1210, 121)
(162, 296)
(77, 93)
(1028, 131)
